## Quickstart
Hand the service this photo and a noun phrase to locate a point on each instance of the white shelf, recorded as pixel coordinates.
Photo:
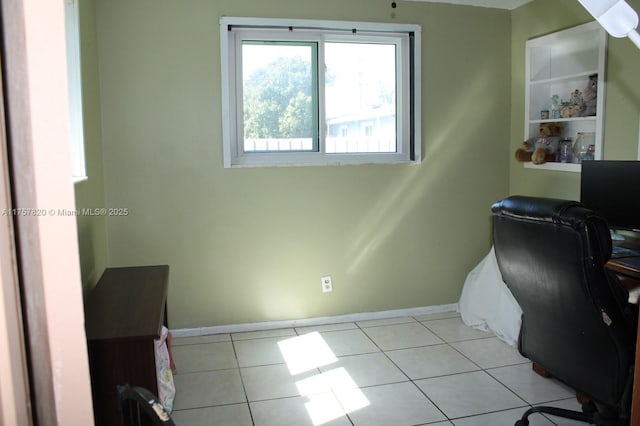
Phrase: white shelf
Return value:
(563, 167)
(564, 120)
(577, 76)
(558, 64)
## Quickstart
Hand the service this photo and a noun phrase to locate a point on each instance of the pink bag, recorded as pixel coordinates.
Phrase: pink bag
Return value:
(166, 387)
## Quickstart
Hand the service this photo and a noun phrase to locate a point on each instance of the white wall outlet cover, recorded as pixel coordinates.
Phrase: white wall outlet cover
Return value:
(327, 283)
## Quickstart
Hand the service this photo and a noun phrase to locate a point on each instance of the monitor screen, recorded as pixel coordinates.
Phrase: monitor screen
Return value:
(612, 188)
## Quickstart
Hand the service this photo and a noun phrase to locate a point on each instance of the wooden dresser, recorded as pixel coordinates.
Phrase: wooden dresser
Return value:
(124, 315)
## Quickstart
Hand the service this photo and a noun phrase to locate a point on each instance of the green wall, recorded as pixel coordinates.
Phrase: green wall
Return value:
(622, 105)
(249, 245)
(92, 230)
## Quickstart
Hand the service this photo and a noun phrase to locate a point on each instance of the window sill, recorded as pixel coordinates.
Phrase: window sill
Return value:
(332, 160)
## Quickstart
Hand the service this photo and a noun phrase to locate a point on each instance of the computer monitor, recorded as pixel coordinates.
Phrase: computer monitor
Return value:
(612, 188)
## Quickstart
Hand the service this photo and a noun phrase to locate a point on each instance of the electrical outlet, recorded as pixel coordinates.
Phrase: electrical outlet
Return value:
(327, 284)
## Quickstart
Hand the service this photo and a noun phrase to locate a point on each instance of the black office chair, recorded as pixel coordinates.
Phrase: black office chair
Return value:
(576, 321)
(139, 407)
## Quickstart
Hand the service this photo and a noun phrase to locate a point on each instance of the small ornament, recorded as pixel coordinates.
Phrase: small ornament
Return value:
(576, 97)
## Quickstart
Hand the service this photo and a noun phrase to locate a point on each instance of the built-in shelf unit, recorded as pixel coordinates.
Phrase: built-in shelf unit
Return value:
(559, 64)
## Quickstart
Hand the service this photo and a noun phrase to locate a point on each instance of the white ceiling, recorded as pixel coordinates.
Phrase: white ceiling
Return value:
(499, 4)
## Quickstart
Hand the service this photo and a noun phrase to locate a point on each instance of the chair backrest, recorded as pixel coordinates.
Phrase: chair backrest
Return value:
(576, 321)
(139, 407)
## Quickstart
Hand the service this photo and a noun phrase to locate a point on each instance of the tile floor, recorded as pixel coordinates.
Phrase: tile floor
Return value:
(429, 369)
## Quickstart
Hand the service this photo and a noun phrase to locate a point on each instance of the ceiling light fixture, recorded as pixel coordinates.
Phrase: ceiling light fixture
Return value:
(616, 17)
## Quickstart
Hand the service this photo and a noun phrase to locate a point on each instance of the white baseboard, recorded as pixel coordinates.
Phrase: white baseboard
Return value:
(305, 322)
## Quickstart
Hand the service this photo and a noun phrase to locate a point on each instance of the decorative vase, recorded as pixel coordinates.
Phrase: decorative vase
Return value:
(584, 146)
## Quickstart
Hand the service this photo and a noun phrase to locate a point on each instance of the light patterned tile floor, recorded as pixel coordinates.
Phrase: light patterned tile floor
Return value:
(428, 369)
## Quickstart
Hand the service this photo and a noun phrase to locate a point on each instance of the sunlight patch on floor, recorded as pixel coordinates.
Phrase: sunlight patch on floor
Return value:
(310, 351)
(347, 390)
(306, 352)
(323, 408)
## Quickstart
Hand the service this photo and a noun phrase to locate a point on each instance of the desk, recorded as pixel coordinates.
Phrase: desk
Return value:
(628, 270)
(124, 315)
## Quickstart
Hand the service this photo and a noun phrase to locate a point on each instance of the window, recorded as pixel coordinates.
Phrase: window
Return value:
(75, 90)
(319, 92)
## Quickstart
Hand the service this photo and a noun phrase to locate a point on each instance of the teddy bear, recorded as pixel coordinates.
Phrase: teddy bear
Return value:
(543, 147)
(590, 97)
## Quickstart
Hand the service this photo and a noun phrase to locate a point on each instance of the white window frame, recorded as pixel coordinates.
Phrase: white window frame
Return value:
(233, 30)
(72, 27)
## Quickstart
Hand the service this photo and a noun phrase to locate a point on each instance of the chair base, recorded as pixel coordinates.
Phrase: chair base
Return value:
(590, 415)
(554, 411)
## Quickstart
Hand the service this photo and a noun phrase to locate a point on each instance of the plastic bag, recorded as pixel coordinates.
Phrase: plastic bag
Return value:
(487, 304)
(166, 387)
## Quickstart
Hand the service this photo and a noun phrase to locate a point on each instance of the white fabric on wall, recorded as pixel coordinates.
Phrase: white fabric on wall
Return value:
(487, 304)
